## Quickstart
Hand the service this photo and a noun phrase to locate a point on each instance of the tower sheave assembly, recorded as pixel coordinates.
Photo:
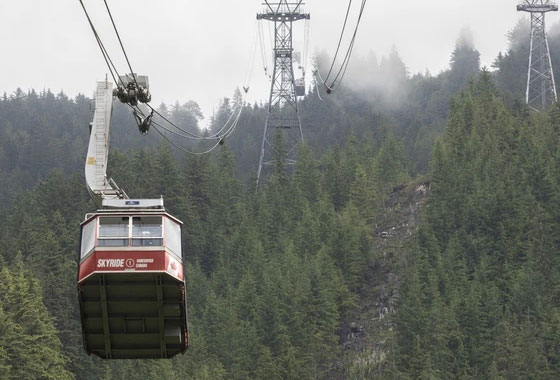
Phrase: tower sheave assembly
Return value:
(282, 133)
(541, 87)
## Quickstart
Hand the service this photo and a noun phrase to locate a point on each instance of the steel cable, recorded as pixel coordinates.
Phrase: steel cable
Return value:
(106, 56)
(120, 42)
(340, 39)
(117, 78)
(346, 61)
(220, 140)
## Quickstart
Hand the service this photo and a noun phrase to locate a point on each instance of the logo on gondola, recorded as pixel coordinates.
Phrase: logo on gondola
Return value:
(132, 203)
(130, 263)
(110, 263)
(173, 267)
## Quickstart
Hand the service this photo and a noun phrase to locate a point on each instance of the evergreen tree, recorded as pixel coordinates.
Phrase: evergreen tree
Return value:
(30, 343)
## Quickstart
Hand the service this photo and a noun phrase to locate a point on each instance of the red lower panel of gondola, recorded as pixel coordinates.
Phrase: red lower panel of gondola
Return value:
(130, 261)
(133, 305)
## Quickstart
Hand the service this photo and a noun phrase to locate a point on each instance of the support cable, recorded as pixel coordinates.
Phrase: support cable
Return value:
(117, 78)
(271, 36)
(187, 133)
(263, 48)
(221, 137)
(318, 72)
(217, 136)
(345, 63)
(253, 55)
(120, 42)
(106, 57)
(181, 148)
(318, 92)
(220, 142)
(219, 133)
(340, 39)
(306, 44)
(138, 110)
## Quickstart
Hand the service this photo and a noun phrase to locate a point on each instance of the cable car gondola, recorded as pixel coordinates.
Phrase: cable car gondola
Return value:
(300, 87)
(131, 280)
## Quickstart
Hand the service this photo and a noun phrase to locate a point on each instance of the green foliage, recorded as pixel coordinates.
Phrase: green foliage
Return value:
(29, 345)
(270, 274)
(478, 298)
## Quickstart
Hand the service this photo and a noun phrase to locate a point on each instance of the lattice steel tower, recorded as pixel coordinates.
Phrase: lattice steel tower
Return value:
(541, 87)
(283, 120)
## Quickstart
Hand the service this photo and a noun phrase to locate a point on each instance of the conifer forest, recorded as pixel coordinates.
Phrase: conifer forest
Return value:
(412, 239)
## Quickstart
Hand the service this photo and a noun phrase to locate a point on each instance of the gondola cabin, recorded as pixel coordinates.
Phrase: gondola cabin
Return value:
(300, 87)
(131, 282)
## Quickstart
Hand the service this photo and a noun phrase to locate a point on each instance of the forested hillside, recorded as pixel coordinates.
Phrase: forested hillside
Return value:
(274, 276)
(270, 274)
(378, 99)
(480, 291)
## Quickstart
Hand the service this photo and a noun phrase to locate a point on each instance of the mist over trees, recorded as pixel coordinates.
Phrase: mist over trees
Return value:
(273, 275)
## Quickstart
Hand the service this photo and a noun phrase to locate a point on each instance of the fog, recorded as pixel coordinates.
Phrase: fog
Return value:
(201, 50)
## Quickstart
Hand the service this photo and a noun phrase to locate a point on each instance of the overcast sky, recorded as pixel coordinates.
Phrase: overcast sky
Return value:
(200, 50)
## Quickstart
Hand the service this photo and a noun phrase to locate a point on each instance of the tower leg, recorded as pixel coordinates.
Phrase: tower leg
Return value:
(541, 86)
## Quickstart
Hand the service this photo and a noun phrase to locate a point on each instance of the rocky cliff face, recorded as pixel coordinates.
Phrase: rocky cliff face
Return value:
(368, 329)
